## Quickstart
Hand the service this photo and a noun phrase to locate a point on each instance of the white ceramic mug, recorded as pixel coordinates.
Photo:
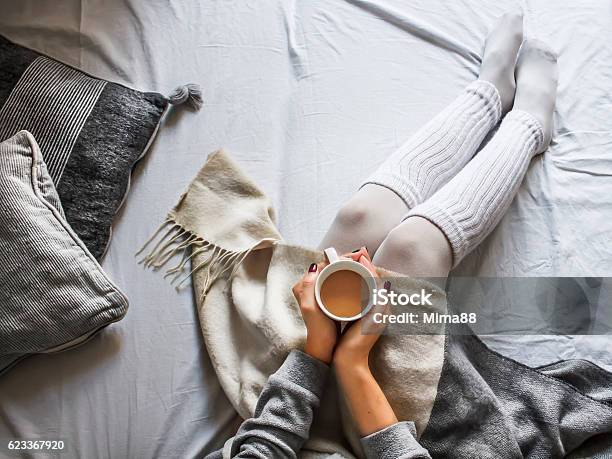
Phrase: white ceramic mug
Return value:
(338, 264)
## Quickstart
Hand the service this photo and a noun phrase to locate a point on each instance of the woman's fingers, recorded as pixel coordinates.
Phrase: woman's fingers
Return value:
(368, 264)
(355, 255)
(303, 290)
(362, 256)
(309, 279)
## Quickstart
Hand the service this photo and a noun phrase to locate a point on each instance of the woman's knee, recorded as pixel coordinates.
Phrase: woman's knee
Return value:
(357, 224)
(416, 247)
(404, 244)
(354, 213)
(365, 219)
(374, 206)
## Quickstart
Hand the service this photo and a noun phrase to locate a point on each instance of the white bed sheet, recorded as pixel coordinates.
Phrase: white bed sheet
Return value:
(309, 97)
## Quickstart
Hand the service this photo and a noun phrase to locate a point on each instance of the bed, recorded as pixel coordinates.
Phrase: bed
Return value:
(306, 96)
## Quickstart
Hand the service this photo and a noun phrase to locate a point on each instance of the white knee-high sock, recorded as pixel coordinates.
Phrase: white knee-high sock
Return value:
(442, 147)
(468, 207)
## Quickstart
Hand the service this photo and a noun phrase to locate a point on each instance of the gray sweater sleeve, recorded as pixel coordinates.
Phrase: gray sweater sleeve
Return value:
(397, 441)
(284, 411)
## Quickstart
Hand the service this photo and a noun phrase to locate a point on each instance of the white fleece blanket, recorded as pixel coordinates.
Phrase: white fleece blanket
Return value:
(309, 97)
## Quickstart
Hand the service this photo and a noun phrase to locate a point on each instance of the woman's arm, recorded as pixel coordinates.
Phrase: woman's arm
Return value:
(284, 411)
(382, 434)
(367, 403)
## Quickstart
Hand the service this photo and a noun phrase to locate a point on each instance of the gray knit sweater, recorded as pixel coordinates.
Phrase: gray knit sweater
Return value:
(284, 412)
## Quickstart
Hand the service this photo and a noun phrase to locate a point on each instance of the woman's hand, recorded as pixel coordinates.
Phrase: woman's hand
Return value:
(321, 331)
(360, 336)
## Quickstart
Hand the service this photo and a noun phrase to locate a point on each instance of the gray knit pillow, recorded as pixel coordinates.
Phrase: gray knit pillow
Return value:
(53, 293)
(91, 132)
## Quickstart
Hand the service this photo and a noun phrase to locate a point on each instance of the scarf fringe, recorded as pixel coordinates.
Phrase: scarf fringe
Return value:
(176, 240)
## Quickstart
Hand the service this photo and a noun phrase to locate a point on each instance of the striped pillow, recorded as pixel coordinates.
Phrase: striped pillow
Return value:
(53, 293)
(91, 132)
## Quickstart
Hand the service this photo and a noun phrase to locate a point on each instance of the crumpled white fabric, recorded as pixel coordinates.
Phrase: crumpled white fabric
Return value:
(310, 97)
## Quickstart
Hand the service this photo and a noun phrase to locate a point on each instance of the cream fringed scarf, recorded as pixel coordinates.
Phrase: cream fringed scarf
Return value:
(242, 274)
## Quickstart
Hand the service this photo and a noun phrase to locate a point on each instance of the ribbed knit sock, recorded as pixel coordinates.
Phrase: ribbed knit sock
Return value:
(470, 205)
(442, 147)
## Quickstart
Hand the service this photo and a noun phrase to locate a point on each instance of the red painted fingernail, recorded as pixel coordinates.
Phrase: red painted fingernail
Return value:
(312, 268)
(387, 285)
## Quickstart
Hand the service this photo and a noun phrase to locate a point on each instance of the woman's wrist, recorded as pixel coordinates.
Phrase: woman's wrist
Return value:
(346, 362)
(319, 349)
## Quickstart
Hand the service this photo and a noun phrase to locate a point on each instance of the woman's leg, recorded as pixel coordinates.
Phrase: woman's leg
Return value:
(436, 152)
(468, 207)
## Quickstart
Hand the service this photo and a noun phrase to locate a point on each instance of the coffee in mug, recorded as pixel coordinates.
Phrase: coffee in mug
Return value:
(343, 288)
(344, 293)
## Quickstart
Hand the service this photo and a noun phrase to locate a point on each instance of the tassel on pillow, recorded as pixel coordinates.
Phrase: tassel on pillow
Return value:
(189, 94)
